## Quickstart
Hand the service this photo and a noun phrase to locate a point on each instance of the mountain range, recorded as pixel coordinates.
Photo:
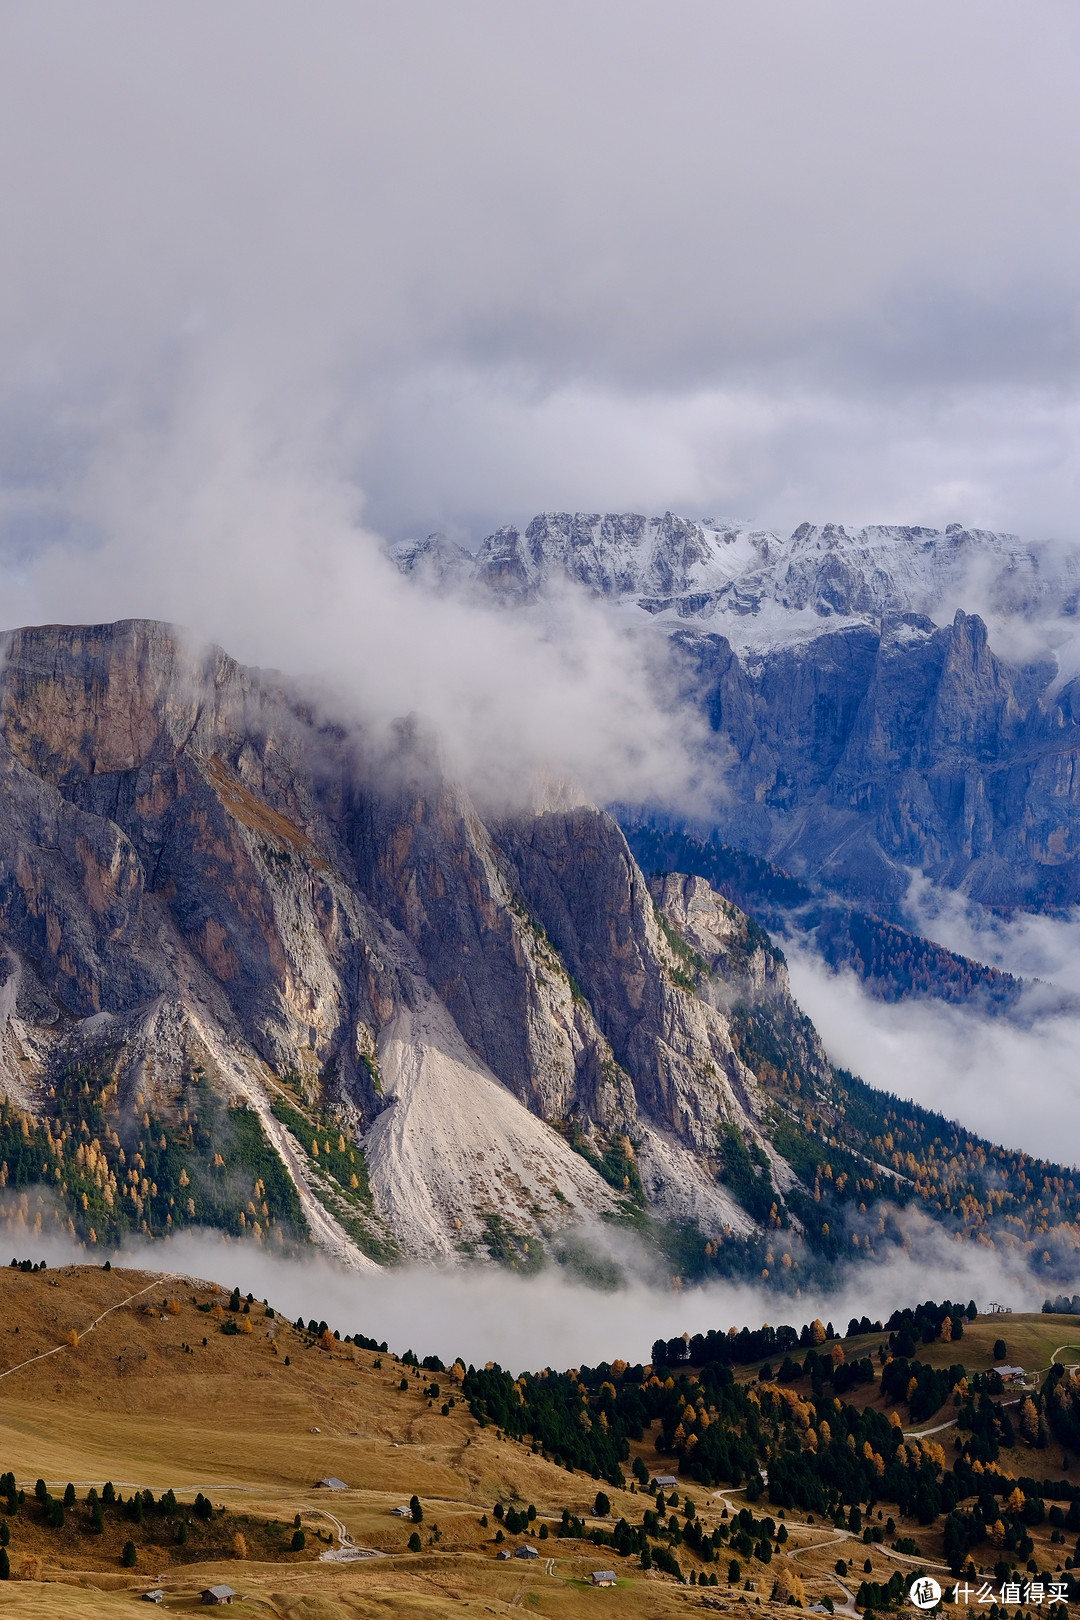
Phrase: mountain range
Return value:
(758, 586)
(862, 723)
(261, 976)
(207, 897)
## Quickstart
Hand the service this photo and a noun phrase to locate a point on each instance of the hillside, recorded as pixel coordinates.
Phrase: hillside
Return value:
(162, 1396)
(129, 1404)
(232, 1419)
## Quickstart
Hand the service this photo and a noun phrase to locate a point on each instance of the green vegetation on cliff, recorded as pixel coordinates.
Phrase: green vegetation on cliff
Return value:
(337, 1176)
(104, 1172)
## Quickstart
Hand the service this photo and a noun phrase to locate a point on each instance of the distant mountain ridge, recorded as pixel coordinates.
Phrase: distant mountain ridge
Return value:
(756, 585)
(891, 962)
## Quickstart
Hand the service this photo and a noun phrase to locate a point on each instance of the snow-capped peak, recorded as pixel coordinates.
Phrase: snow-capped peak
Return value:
(757, 585)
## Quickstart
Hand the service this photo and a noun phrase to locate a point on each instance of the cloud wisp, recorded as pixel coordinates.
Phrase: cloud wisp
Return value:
(1027, 944)
(275, 288)
(209, 524)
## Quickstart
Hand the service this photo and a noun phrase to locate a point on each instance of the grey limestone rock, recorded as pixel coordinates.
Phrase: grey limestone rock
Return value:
(868, 751)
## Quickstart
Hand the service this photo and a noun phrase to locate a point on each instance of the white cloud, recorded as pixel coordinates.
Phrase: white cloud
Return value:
(260, 548)
(1014, 1081)
(1025, 944)
(274, 283)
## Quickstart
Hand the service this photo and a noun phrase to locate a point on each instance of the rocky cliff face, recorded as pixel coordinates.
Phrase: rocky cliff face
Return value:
(455, 1036)
(874, 749)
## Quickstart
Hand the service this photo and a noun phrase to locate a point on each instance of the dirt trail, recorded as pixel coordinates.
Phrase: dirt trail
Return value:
(835, 1538)
(921, 1434)
(347, 1551)
(55, 1351)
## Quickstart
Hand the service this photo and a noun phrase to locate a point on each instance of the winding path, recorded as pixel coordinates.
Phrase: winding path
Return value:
(835, 1538)
(347, 1552)
(921, 1434)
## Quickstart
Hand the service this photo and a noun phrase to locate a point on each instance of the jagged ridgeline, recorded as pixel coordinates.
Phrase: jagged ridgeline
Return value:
(260, 977)
(854, 732)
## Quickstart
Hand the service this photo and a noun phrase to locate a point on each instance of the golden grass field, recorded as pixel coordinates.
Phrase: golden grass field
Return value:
(1029, 1342)
(128, 1403)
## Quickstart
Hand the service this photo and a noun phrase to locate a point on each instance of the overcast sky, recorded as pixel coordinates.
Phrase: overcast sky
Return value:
(464, 262)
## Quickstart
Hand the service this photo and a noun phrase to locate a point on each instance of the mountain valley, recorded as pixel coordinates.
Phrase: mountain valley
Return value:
(161, 1436)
